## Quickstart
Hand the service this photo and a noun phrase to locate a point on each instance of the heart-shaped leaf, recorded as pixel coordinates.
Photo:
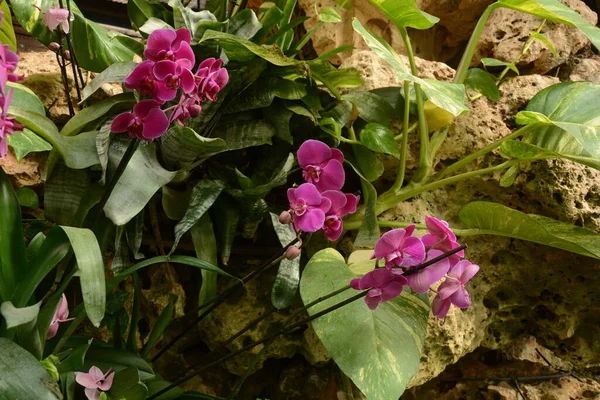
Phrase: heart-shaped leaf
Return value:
(482, 82)
(380, 139)
(405, 13)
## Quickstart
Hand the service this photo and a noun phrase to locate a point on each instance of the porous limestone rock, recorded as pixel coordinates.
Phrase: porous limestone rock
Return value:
(582, 69)
(516, 93)
(28, 171)
(507, 30)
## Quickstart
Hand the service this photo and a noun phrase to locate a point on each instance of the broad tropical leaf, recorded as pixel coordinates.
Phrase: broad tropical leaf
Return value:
(26, 142)
(287, 280)
(405, 13)
(7, 32)
(117, 72)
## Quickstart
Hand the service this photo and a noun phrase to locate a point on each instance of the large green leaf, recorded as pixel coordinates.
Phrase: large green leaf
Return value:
(205, 246)
(22, 376)
(379, 350)
(368, 233)
(140, 11)
(142, 178)
(7, 32)
(161, 325)
(380, 139)
(127, 385)
(117, 72)
(25, 142)
(287, 280)
(239, 135)
(24, 97)
(204, 194)
(181, 146)
(569, 123)
(405, 13)
(78, 151)
(528, 152)
(367, 162)
(482, 82)
(496, 219)
(96, 111)
(227, 218)
(264, 90)
(63, 192)
(244, 24)
(185, 17)
(13, 259)
(372, 107)
(449, 96)
(14, 316)
(556, 11)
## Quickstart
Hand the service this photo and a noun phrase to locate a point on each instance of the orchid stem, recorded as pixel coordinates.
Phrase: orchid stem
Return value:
(72, 51)
(404, 146)
(63, 71)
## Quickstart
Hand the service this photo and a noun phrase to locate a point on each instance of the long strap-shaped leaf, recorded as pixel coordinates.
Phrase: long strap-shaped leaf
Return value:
(12, 246)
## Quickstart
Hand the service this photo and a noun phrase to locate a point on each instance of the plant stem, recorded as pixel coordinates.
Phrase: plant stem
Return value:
(524, 50)
(133, 145)
(472, 157)
(411, 129)
(63, 71)
(424, 161)
(404, 147)
(465, 62)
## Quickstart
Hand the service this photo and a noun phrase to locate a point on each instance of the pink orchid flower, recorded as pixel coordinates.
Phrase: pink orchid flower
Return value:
(95, 381)
(441, 237)
(8, 126)
(142, 79)
(399, 247)
(58, 16)
(452, 290)
(308, 207)
(170, 76)
(210, 79)
(60, 315)
(322, 165)
(188, 108)
(341, 205)
(384, 285)
(167, 44)
(147, 122)
(421, 281)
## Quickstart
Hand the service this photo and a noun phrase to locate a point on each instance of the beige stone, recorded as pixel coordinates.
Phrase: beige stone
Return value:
(583, 69)
(27, 172)
(516, 93)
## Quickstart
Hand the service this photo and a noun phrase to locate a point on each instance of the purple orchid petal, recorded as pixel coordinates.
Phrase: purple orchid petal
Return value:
(439, 228)
(333, 230)
(62, 311)
(448, 288)
(106, 382)
(392, 290)
(373, 298)
(376, 278)
(355, 283)
(325, 205)
(311, 221)
(52, 329)
(291, 195)
(440, 307)
(143, 108)
(122, 122)
(155, 124)
(464, 271)
(185, 55)
(413, 251)
(337, 155)
(186, 80)
(86, 379)
(332, 176)
(182, 35)
(57, 16)
(351, 203)
(421, 281)
(163, 69)
(92, 394)
(313, 152)
(389, 243)
(461, 298)
(338, 200)
(158, 41)
(221, 78)
(309, 193)
(164, 92)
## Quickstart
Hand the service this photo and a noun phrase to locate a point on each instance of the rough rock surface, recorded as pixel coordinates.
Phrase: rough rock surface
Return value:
(516, 93)
(507, 30)
(582, 69)
(27, 172)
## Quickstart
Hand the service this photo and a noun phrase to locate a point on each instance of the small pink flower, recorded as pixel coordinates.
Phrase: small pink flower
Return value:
(399, 247)
(441, 237)
(322, 165)
(9, 60)
(95, 381)
(147, 122)
(421, 281)
(452, 290)
(308, 207)
(384, 285)
(167, 44)
(169, 77)
(142, 79)
(58, 16)
(60, 315)
(341, 205)
(7, 123)
(210, 79)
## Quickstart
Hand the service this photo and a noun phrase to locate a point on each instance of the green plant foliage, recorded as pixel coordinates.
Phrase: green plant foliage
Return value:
(28, 378)
(366, 345)
(367, 162)
(405, 13)
(7, 32)
(240, 135)
(482, 82)
(449, 96)
(492, 62)
(368, 233)
(127, 385)
(547, 42)
(28, 198)
(185, 17)
(23, 97)
(244, 24)
(76, 124)
(140, 11)
(380, 139)
(227, 219)
(65, 188)
(496, 219)
(287, 280)
(372, 107)
(262, 93)
(181, 146)
(117, 72)
(26, 142)
(205, 246)
(15, 317)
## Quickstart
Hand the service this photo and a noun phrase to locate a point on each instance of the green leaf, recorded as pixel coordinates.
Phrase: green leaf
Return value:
(64, 190)
(205, 246)
(174, 202)
(239, 49)
(244, 24)
(117, 72)
(380, 349)
(380, 139)
(140, 11)
(367, 162)
(14, 317)
(570, 120)
(153, 24)
(334, 78)
(124, 101)
(329, 15)
(287, 280)
(14, 265)
(26, 142)
(181, 146)
(449, 96)
(368, 232)
(510, 176)
(7, 32)
(528, 152)
(203, 196)
(405, 13)
(227, 219)
(280, 117)
(142, 178)
(482, 82)
(492, 62)
(25, 98)
(105, 357)
(78, 152)
(91, 271)
(372, 107)
(185, 17)
(278, 178)
(264, 90)
(556, 11)
(28, 378)
(547, 42)
(127, 385)
(239, 135)
(132, 44)
(269, 20)
(28, 197)
(161, 325)
(496, 219)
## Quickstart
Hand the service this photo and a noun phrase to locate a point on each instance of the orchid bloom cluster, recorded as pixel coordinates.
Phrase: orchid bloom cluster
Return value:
(319, 203)
(95, 381)
(8, 64)
(401, 252)
(164, 75)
